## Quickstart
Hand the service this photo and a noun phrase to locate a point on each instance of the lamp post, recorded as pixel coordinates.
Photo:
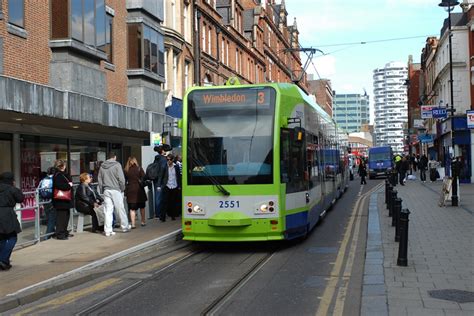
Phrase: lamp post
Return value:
(449, 5)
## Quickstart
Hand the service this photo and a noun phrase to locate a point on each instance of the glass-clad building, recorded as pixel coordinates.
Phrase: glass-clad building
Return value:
(351, 111)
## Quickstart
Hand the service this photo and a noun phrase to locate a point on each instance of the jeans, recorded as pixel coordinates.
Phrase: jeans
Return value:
(423, 174)
(6, 248)
(51, 214)
(114, 199)
(159, 196)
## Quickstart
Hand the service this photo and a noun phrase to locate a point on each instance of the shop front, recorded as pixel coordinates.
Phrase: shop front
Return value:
(455, 141)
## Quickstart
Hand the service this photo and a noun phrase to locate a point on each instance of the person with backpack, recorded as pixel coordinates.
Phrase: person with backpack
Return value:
(157, 172)
(45, 191)
(9, 225)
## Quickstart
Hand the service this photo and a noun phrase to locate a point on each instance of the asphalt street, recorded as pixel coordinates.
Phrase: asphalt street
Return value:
(319, 275)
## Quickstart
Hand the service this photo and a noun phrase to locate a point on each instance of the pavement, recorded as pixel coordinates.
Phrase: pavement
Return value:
(439, 277)
(54, 265)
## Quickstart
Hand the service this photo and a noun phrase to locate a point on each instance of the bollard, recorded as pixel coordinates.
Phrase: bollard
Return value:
(387, 184)
(403, 245)
(389, 194)
(393, 197)
(397, 207)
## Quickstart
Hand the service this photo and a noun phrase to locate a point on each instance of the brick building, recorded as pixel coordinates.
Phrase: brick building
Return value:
(324, 94)
(78, 79)
(247, 39)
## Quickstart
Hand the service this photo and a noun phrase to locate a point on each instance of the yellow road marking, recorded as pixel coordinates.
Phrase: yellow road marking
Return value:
(69, 298)
(330, 289)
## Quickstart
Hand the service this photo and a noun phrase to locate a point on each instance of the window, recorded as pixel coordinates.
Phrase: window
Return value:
(185, 21)
(223, 51)
(227, 53)
(237, 60)
(203, 31)
(175, 73)
(209, 41)
(186, 75)
(152, 57)
(107, 46)
(16, 12)
(82, 20)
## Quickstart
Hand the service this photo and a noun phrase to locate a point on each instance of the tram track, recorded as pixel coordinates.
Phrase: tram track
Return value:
(219, 302)
(128, 289)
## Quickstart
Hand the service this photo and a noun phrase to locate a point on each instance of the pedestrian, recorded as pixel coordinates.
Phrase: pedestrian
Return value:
(9, 225)
(87, 200)
(403, 169)
(423, 166)
(157, 172)
(45, 190)
(362, 172)
(134, 190)
(172, 191)
(62, 199)
(112, 185)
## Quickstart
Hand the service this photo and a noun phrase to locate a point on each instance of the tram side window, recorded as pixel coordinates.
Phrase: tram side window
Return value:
(284, 155)
(312, 160)
(297, 164)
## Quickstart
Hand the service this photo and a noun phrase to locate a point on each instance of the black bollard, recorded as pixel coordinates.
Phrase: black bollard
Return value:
(403, 245)
(389, 195)
(397, 207)
(387, 184)
(393, 178)
(393, 197)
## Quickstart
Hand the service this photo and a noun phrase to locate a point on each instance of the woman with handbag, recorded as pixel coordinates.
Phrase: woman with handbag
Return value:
(134, 190)
(62, 199)
(87, 200)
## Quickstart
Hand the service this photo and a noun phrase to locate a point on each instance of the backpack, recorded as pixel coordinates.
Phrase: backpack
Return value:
(46, 187)
(153, 171)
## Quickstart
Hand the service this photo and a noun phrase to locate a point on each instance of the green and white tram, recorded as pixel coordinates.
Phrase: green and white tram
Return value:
(260, 162)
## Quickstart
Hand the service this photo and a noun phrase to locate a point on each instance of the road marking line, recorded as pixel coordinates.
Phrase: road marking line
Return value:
(69, 298)
(329, 291)
(341, 295)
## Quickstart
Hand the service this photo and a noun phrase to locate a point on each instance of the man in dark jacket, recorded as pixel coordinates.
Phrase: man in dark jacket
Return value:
(404, 167)
(423, 165)
(9, 225)
(158, 173)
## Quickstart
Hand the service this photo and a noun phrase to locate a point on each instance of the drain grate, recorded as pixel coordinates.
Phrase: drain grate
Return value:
(458, 296)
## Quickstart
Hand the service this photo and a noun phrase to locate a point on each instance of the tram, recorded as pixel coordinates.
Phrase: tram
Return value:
(260, 162)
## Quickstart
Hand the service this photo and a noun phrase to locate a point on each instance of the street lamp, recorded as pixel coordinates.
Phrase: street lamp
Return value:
(449, 6)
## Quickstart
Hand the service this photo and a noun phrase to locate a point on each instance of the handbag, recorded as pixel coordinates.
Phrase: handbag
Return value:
(62, 195)
(100, 213)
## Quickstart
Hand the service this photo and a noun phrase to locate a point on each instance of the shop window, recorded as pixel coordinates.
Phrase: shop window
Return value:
(16, 12)
(86, 156)
(6, 150)
(153, 49)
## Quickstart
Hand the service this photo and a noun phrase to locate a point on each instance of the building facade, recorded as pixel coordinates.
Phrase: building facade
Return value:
(322, 90)
(351, 111)
(78, 79)
(390, 101)
(451, 135)
(413, 101)
(247, 39)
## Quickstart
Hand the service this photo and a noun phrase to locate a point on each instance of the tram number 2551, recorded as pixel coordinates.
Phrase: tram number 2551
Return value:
(229, 204)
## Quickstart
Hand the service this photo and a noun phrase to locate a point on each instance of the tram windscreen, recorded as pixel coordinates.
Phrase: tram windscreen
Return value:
(230, 136)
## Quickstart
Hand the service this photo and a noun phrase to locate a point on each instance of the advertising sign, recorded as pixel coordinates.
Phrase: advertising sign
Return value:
(439, 112)
(426, 111)
(470, 118)
(417, 123)
(155, 139)
(426, 138)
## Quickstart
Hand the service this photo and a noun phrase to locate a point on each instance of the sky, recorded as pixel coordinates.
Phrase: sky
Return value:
(326, 24)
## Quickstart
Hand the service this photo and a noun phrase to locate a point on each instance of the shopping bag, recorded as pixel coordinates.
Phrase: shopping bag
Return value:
(100, 213)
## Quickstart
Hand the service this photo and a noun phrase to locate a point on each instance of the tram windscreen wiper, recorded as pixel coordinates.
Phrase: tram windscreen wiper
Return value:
(214, 181)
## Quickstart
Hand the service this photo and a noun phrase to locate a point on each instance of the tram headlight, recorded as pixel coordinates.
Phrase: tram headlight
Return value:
(263, 208)
(198, 210)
